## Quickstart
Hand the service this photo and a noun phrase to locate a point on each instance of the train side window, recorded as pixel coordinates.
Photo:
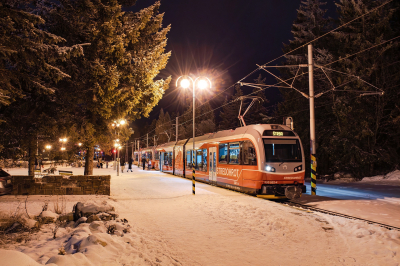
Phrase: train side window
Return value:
(189, 158)
(249, 153)
(199, 160)
(170, 159)
(204, 160)
(166, 158)
(234, 153)
(211, 161)
(223, 153)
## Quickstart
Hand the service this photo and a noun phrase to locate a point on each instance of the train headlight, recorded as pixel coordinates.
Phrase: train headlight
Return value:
(298, 168)
(269, 169)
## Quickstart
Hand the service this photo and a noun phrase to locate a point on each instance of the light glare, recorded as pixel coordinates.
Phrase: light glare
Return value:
(202, 84)
(185, 83)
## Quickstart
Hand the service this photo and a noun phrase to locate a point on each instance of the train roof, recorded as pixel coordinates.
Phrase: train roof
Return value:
(166, 146)
(254, 130)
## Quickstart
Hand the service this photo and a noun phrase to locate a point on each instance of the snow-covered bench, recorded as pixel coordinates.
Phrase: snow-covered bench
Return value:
(65, 172)
(38, 173)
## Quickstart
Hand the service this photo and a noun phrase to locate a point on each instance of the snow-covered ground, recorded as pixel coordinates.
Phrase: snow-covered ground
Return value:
(393, 176)
(374, 198)
(170, 226)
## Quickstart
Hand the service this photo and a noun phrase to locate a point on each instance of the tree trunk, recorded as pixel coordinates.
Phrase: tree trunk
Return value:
(89, 161)
(32, 157)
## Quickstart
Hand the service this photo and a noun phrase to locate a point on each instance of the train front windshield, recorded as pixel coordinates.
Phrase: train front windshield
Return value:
(282, 150)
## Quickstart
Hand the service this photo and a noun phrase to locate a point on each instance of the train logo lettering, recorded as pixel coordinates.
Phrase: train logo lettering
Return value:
(228, 172)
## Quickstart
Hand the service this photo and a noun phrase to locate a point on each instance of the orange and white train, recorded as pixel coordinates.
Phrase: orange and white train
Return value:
(263, 160)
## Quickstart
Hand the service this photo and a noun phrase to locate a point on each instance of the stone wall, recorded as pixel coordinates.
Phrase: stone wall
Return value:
(61, 185)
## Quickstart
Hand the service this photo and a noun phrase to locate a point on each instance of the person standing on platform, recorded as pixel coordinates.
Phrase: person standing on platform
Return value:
(122, 164)
(144, 162)
(130, 162)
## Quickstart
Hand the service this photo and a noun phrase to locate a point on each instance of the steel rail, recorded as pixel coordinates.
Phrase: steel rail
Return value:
(308, 207)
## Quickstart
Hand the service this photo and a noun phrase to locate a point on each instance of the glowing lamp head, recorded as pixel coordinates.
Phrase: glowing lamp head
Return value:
(185, 83)
(122, 122)
(79, 144)
(202, 84)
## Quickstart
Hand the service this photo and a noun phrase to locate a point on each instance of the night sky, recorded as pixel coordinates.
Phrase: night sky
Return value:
(224, 39)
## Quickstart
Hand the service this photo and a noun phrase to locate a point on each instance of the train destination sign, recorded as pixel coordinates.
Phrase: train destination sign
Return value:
(280, 133)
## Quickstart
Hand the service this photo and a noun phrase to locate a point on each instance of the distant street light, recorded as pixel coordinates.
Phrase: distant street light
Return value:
(116, 124)
(202, 83)
(48, 148)
(63, 141)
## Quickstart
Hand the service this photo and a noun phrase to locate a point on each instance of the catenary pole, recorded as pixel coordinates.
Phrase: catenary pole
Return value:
(313, 148)
(126, 152)
(115, 153)
(194, 152)
(176, 134)
(139, 154)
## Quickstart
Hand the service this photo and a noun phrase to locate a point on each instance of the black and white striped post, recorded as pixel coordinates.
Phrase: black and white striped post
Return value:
(194, 151)
(313, 148)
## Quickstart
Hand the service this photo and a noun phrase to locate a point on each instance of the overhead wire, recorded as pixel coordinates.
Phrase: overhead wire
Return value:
(329, 32)
(264, 65)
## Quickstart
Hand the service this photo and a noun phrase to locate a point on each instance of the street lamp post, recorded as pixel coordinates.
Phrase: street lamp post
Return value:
(48, 148)
(63, 141)
(116, 125)
(202, 83)
(116, 162)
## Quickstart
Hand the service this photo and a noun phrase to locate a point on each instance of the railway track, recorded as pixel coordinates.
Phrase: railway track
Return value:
(308, 207)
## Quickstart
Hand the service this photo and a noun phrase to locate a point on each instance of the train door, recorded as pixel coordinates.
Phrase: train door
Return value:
(161, 161)
(212, 163)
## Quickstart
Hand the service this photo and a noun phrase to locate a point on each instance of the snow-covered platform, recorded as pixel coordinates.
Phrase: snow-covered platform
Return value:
(223, 227)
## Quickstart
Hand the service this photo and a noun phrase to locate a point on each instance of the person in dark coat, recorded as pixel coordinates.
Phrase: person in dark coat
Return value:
(144, 162)
(122, 164)
(130, 162)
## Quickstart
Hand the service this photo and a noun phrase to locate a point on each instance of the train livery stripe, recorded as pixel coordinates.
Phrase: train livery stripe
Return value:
(313, 175)
(194, 182)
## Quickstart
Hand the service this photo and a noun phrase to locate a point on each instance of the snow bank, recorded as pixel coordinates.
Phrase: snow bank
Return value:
(16, 258)
(392, 176)
(104, 242)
